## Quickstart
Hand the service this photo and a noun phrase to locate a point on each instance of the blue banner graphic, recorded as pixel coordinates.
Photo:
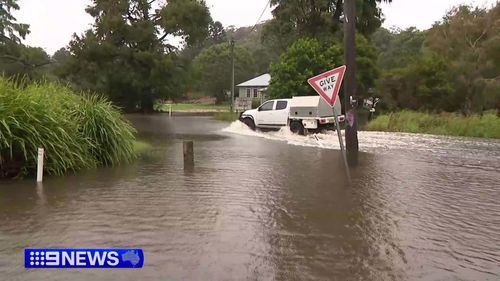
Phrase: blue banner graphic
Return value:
(83, 258)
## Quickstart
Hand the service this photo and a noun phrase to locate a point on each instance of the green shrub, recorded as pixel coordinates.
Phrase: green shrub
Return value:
(256, 103)
(380, 123)
(77, 132)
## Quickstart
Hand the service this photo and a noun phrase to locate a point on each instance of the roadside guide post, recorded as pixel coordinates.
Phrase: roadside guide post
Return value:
(39, 174)
(232, 75)
(327, 85)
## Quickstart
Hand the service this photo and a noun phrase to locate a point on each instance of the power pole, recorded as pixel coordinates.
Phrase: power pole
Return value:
(232, 74)
(351, 131)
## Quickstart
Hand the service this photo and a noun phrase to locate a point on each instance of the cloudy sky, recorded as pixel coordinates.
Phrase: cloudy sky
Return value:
(54, 21)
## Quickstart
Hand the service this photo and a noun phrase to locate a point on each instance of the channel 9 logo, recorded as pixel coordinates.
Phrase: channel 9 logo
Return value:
(83, 258)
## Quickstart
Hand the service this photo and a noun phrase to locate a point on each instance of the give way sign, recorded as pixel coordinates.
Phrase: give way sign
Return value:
(327, 84)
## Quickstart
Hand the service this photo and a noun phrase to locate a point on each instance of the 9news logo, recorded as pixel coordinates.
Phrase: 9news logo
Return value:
(83, 258)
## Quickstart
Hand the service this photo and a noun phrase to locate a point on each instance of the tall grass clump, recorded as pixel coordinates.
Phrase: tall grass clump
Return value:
(486, 125)
(101, 123)
(77, 132)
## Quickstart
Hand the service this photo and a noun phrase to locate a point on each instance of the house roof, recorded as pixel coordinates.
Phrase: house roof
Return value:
(261, 81)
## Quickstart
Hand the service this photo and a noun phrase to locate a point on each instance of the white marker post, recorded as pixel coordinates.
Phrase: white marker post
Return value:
(39, 175)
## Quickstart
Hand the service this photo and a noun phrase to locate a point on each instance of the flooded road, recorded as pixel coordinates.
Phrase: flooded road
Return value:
(270, 206)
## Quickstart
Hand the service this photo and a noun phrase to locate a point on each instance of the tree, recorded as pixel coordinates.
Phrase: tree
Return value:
(189, 19)
(126, 56)
(61, 56)
(213, 69)
(217, 33)
(303, 60)
(10, 30)
(250, 37)
(308, 57)
(321, 19)
(15, 58)
(24, 62)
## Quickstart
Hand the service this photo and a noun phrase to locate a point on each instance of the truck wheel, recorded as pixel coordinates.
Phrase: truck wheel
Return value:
(297, 128)
(249, 122)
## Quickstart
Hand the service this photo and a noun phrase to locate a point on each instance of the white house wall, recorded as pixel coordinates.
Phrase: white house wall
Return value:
(243, 92)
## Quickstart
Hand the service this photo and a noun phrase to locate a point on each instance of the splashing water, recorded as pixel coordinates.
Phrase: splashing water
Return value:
(324, 140)
(368, 141)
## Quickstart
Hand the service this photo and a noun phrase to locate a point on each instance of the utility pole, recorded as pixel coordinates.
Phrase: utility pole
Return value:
(351, 131)
(232, 74)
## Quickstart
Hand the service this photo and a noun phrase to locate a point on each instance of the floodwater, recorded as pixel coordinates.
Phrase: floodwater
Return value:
(270, 206)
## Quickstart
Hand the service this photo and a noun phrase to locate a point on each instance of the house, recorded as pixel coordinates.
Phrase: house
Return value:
(255, 89)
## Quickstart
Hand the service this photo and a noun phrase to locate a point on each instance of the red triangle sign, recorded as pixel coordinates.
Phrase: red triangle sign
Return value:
(327, 84)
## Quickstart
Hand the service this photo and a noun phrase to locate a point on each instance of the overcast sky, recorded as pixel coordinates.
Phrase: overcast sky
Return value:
(52, 22)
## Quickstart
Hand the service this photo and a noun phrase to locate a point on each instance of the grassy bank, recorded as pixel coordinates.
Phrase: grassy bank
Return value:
(227, 116)
(482, 126)
(187, 107)
(76, 131)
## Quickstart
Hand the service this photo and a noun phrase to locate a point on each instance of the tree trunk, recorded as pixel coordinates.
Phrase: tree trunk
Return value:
(468, 106)
(147, 105)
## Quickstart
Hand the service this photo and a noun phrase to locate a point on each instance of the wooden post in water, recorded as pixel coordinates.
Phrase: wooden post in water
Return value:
(188, 148)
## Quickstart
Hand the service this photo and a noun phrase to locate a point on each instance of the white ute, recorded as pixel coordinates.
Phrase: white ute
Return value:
(300, 114)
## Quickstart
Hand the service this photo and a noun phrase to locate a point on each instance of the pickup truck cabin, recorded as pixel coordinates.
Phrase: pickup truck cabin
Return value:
(300, 114)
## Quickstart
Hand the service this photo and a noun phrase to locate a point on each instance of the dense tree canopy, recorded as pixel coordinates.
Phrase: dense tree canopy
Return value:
(189, 19)
(398, 47)
(421, 85)
(469, 40)
(320, 19)
(24, 62)
(454, 66)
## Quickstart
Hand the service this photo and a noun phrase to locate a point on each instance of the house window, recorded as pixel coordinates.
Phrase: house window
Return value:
(248, 93)
(255, 93)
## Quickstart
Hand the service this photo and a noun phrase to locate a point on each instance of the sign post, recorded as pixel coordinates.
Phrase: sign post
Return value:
(350, 91)
(327, 85)
(341, 141)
